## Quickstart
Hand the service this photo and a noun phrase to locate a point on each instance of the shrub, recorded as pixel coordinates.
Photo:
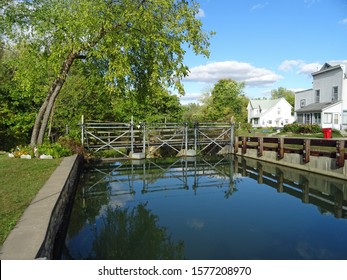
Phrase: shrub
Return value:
(72, 144)
(56, 150)
(302, 128)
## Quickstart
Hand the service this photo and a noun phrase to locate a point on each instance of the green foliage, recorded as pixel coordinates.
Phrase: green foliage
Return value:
(17, 104)
(285, 93)
(302, 128)
(56, 150)
(132, 48)
(110, 153)
(226, 101)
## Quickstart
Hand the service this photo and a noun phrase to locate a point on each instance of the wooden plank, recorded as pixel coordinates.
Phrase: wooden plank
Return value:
(340, 153)
(293, 141)
(270, 140)
(323, 142)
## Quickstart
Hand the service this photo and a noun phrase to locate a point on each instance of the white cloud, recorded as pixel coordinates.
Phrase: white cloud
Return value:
(309, 68)
(344, 21)
(259, 6)
(288, 65)
(201, 13)
(190, 98)
(238, 71)
(299, 66)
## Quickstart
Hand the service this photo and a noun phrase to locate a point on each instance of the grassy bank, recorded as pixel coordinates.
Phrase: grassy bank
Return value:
(20, 180)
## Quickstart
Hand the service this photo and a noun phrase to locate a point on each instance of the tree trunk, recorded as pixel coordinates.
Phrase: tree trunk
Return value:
(48, 111)
(46, 108)
(38, 119)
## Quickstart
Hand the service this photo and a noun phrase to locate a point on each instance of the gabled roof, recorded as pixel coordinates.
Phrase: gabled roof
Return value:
(264, 104)
(327, 67)
(315, 107)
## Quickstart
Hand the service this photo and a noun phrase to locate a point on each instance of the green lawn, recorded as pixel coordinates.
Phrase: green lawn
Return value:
(20, 180)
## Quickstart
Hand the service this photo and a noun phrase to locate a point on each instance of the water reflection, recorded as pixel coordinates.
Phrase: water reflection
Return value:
(328, 194)
(134, 234)
(196, 208)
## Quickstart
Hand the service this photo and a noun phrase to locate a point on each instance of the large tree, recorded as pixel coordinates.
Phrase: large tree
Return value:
(285, 93)
(141, 42)
(227, 100)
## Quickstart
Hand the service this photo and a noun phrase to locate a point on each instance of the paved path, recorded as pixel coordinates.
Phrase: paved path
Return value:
(25, 239)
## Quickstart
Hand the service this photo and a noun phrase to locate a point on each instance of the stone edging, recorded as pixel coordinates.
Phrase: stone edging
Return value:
(39, 226)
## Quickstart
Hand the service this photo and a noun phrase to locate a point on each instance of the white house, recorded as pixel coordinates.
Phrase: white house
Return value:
(269, 113)
(326, 103)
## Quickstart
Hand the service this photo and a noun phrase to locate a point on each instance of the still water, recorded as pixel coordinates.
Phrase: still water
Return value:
(206, 209)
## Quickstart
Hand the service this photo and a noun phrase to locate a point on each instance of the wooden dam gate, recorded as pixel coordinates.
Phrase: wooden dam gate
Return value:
(141, 140)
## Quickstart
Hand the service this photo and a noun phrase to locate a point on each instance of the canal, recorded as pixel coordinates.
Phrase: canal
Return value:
(205, 208)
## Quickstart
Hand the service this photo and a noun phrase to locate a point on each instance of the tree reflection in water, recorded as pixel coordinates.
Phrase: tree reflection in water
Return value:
(134, 234)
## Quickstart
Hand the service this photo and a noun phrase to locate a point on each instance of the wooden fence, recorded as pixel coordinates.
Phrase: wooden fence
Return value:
(332, 148)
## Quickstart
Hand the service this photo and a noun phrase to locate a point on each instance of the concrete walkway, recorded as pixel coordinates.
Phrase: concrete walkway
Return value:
(24, 241)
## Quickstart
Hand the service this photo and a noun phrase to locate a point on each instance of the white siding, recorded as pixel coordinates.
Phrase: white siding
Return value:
(307, 95)
(326, 81)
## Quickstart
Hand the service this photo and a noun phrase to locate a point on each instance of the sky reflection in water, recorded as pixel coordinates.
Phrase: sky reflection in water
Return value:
(206, 209)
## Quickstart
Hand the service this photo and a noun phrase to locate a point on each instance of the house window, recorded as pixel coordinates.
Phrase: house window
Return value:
(344, 117)
(279, 111)
(317, 118)
(302, 103)
(308, 118)
(336, 118)
(335, 94)
(317, 96)
(255, 121)
(328, 118)
(269, 121)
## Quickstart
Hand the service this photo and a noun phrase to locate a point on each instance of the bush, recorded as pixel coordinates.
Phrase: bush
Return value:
(302, 128)
(56, 150)
(72, 144)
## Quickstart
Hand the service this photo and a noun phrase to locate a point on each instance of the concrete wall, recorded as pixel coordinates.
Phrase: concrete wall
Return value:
(321, 165)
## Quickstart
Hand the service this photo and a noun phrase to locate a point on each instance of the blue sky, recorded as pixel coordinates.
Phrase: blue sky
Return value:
(267, 44)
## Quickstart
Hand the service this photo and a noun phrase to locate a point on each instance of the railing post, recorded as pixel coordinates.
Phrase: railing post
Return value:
(186, 136)
(236, 145)
(196, 130)
(306, 150)
(231, 136)
(244, 145)
(340, 153)
(132, 134)
(280, 148)
(260, 146)
(143, 137)
(82, 128)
